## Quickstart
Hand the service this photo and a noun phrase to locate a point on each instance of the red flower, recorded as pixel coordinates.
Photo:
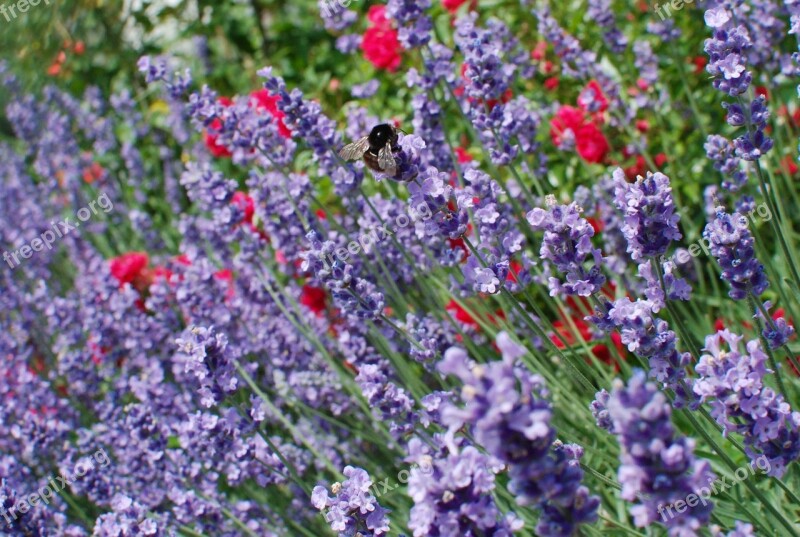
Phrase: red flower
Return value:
(637, 169)
(591, 144)
(642, 125)
(263, 100)
(514, 267)
(539, 50)
(568, 118)
(92, 173)
(565, 335)
(79, 48)
(453, 5)
(762, 90)
(246, 204)
(699, 64)
(131, 268)
(212, 133)
(226, 275)
(161, 272)
(380, 43)
(377, 16)
(551, 83)
(463, 155)
(592, 97)
(314, 299)
(596, 224)
(789, 165)
(461, 315)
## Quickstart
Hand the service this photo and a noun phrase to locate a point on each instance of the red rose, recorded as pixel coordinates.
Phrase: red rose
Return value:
(788, 165)
(263, 100)
(591, 98)
(131, 268)
(539, 50)
(246, 204)
(453, 5)
(591, 144)
(568, 118)
(463, 155)
(212, 133)
(564, 335)
(380, 43)
(226, 275)
(377, 16)
(314, 299)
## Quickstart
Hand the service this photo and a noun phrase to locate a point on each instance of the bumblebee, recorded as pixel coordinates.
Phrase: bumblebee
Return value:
(376, 149)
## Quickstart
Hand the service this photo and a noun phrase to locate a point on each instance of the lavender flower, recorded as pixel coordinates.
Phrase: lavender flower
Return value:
(352, 510)
(650, 220)
(720, 150)
(600, 12)
(413, 25)
(567, 243)
(599, 408)
(733, 382)
(650, 337)
(203, 354)
(452, 492)
(658, 465)
(732, 245)
(507, 410)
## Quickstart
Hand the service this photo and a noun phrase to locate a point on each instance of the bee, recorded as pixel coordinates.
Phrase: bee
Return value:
(376, 149)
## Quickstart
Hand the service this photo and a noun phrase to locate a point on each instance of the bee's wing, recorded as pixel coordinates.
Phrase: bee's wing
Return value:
(386, 160)
(355, 150)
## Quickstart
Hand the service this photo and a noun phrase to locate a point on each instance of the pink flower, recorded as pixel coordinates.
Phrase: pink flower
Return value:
(380, 43)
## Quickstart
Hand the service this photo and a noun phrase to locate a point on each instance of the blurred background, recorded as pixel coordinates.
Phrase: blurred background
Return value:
(75, 44)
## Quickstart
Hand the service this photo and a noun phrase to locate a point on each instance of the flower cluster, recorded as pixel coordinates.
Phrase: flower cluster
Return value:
(658, 465)
(508, 413)
(352, 510)
(732, 381)
(567, 243)
(732, 245)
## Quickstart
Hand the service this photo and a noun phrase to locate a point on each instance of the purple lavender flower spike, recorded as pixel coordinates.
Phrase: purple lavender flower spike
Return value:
(650, 338)
(720, 150)
(507, 409)
(599, 408)
(658, 465)
(203, 354)
(567, 243)
(452, 491)
(733, 382)
(732, 245)
(352, 510)
(650, 220)
(601, 13)
(414, 26)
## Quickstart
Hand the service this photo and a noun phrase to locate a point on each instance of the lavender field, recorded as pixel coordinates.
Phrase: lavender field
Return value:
(446, 268)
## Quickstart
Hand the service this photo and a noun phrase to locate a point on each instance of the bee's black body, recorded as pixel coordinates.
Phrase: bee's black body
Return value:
(379, 136)
(376, 149)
